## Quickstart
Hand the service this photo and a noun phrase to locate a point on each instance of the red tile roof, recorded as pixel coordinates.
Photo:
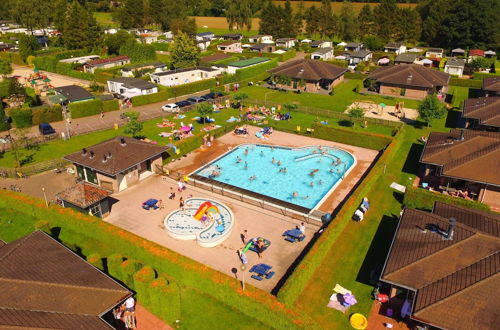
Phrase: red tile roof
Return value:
(108, 60)
(476, 52)
(83, 194)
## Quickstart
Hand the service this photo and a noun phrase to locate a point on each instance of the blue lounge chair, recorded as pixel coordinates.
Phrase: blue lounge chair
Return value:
(258, 278)
(269, 275)
(290, 239)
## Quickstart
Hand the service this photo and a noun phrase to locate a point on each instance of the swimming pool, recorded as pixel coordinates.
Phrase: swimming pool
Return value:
(301, 176)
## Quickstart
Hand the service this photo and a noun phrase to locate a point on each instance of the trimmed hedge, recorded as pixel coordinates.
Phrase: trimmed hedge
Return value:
(46, 114)
(355, 138)
(160, 292)
(151, 98)
(52, 64)
(482, 75)
(21, 117)
(355, 75)
(248, 73)
(418, 198)
(110, 105)
(92, 107)
(466, 83)
(12, 57)
(95, 260)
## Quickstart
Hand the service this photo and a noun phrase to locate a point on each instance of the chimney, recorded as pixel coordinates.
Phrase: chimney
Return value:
(410, 77)
(104, 158)
(91, 154)
(451, 227)
(109, 154)
(84, 152)
(122, 142)
(462, 137)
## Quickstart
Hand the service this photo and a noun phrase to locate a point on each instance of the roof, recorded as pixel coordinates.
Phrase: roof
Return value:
(489, 52)
(491, 84)
(323, 51)
(319, 42)
(131, 83)
(203, 34)
(476, 52)
(458, 50)
(108, 60)
(170, 72)
(451, 277)
(309, 70)
(353, 44)
(360, 53)
(394, 45)
(261, 46)
(285, 39)
(83, 195)
(74, 93)
(475, 158)
(215, 57)
(122, 158)
(485, 109)
(155, 64)
(228, 43)
(57, 99)
(45, 285)
(456, 62)
(435, 50)
(248, 62)
(406, 58)
(412, 75)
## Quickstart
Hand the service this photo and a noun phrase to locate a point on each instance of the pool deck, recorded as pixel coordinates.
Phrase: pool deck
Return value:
(127, 213)
(201, 157)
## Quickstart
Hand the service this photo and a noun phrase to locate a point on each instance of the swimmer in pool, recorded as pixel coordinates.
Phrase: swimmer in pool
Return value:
(311, 184)
(261, 153)
(246, 151)
(279, 163)
(320, 181)
(246, 165)
(253, 177)
(238, 160)
(338, 162)
(295, 194)
(313, 171)
(284, 170)
(273, 161)
(306, 197)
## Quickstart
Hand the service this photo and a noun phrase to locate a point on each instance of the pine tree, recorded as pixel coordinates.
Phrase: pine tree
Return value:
(80, 28)
(365, 20)
(348, 23)
(313, 20)
(328, 20)
(131, 15)
(184, 52)
(385, 18)
(409, 26)
(27, 46)
(299, 17)
(288, 21)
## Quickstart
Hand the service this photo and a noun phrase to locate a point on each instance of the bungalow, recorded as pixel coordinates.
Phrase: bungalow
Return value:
(434, 53)
(148, 38)
(464, 160)
(205, 35)
(46, 285)
(185, 76)
(458, 52)
(117, 163)
(7, 47)
(74, 93)
(286, 42)
(203, 44)
(443, 267)
(232, 36)
(489, 54)
(324, 54)
(317, 75)
(321, 44)
(455, 66)
(353, 46)
(491, 85)
(130, 87)
(80, 59)
(395, 47)
(482, 113)
(128, 71)
(264, 39)
(359, 56)
(233, 66)
(263, 48)
(473, 53)
(230, 47)
(410, 80)
(86, 198)
(106, 63)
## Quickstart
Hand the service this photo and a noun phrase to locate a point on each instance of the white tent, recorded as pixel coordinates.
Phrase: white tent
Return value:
(342, 44)
(340, 57)
(306, 41)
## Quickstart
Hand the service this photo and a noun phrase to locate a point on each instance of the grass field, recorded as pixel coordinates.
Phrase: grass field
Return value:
(460, 94)
(105, 20)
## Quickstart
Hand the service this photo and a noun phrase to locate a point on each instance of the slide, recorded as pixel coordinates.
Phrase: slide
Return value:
(205, 207)
(248, 246)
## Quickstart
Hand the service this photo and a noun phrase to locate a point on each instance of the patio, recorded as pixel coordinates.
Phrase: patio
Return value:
(128, 214)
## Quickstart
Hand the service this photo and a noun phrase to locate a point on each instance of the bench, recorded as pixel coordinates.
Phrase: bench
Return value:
(257, 277)
(310, 130)
(270, 275)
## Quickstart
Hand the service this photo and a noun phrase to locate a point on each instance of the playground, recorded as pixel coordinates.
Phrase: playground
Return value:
(396, 112)
(27, 75)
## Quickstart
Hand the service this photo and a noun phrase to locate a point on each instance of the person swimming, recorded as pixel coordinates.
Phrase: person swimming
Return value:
(246, 151)
(252, 178)
(295, 194)
(306, 197)
(246, 165)
(284, 170)
(313, 171)
(320, 181)
(311, 184)
(279, 163)
(261, 153)
(273, 161)
(238, 160)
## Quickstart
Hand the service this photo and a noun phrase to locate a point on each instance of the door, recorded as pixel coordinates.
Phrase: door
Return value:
(122, 182)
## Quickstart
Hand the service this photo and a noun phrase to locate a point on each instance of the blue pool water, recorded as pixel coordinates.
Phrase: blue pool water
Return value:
(238, 166)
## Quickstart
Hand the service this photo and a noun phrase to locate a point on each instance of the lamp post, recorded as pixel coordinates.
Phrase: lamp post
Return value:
(243, 267)
(45, 197)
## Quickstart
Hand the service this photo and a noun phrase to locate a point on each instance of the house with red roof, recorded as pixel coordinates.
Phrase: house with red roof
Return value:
(105, 63)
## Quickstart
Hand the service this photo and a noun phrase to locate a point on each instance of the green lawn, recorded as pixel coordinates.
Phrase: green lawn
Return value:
(245, 33)
(459, 95)
(105, 20)
(344, 95)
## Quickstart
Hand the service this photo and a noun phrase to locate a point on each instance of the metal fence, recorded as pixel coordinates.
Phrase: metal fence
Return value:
(18, 172)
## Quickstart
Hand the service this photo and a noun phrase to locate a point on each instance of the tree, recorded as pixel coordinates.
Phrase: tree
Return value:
(240, 96)
(184, 52)
(58, 14)
(431, 108)
(131, 15)
(239, 14)
(355, 114)
(138, 52)
(328, 25)
(386, 19)
(15, 88)
(80, 28)
(205, 110)
(113, 42)
(373, 43)
(365, 20)
(4, 123)
(313, 20)
(409, 26)
(5, 67)
(28, 45)
(479, 63)
(348, 23)
(33, 14)
(186, 25)
(133, 127)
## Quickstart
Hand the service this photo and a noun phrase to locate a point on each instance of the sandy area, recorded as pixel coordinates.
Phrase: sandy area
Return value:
(373, 110)
(57, 80)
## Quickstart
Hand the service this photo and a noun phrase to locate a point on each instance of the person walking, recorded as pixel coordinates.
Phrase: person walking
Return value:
(244, 236)
(181, 204)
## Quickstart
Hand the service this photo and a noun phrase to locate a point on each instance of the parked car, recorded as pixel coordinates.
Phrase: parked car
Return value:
(211, 96)
(171, 107)
(196, 99)
(46, 129)
(183, 104)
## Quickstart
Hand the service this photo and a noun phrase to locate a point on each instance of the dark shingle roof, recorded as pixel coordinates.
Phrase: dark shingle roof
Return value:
(435, 50)
(476, 158)
(394, 45)
(45, 285)
(360, 53)
(155, 64)
(485, 109)
(412, 75)
(405, 58)
(108, 60)
(353, 44)
(492, 84)
(309, 70)
(451, 278)
(130, 82)
(323, 51)
(83, 194)
(122, 158)
(456, 62)
(74, 93)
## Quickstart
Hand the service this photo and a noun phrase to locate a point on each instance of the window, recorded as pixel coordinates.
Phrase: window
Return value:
(79, 172)
(91, 176)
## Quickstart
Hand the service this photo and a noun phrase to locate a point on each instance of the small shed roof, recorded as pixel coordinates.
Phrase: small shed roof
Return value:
(248, 62)
(83, 195)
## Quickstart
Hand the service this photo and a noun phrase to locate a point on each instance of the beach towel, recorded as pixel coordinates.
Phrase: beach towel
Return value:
(339, 289)
(398, 187)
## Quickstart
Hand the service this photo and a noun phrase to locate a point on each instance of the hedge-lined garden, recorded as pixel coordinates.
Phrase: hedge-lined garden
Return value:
(27, 117)
(92, 107)
(472, 83)
(422, 199)
(351, 137)
(247, 73)
(52, 64)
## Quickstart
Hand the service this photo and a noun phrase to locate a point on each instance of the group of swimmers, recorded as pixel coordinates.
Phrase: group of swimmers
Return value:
(216, 171)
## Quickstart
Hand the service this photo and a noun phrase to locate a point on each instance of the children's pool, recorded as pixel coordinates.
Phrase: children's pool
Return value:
(302, 176)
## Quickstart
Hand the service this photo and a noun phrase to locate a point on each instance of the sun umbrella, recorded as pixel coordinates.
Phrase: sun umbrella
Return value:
(383, 105)
(384, 60)
(33, 82)
(185, 128)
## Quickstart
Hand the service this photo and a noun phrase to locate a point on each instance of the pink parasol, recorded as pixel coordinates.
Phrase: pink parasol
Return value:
(185, 129)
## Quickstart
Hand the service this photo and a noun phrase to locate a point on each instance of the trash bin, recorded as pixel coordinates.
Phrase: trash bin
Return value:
(326, 218)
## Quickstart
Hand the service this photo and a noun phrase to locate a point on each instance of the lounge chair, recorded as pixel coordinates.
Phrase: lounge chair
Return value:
(257, 277)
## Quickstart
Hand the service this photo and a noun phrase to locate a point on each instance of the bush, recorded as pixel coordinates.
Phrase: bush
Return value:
(466, 83)
(85, 108)
(43, 226)
(12, 57)
(114, 261)
(352, 137)
(110, 105)
(162, 291)
(142, 283)
(46, 114)
(418, 198)
(21, 117)
(3, 125)
(128, 269)
(52, 64)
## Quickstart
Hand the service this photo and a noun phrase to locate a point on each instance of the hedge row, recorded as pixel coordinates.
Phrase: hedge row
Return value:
(422, 199)
(90, 235)
(466, 83)
(248, 73)
(12, 57)
(482, 75)
(27, 117)
(355, 138)
(52, 64)
(354, 75)
(91, 107)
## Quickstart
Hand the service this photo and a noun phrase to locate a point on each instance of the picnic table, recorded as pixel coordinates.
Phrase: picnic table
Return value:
(150, 204)
(262, 271)
(294, 235)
